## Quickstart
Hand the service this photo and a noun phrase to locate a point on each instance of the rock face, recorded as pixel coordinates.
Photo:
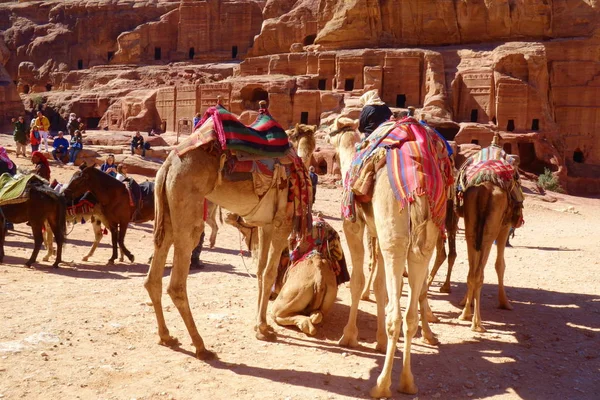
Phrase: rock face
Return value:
(483, 67)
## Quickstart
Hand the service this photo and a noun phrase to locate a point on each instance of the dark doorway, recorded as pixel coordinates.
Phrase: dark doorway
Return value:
(79, 64)
(157, 53)
(474, 141)
(448, 132)
(511, 125)
(26, 89)
(535, 125)
(48, 87)
(304, 117)
(494, 121)
(527, 154)
(92, 122)
(401, 100)
(191, 53)
(474, 115)
(507, 148)
(310, 39)
(110, 55)
(234, 52)
(322, 84)
(322, 168)
(578, 156)
(349, 85)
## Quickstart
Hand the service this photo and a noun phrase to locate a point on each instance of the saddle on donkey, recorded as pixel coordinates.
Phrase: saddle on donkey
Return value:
(417, 162)
(260, 152)
(492, 164)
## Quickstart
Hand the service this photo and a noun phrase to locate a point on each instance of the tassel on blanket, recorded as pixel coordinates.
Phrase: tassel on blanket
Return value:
(105, 231)
(82, 220)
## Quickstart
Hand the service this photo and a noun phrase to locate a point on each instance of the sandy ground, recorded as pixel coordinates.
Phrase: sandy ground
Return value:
(88, 330)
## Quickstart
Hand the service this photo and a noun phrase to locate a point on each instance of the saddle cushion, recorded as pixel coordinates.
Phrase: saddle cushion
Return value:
(13, 191)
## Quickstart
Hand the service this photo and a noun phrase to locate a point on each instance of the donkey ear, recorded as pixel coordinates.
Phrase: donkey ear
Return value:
(83, 166)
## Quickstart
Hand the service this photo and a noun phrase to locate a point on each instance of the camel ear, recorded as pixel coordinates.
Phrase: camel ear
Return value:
(297, 125)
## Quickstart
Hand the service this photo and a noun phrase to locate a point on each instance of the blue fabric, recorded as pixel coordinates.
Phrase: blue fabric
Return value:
(448, 147)
(104, 167)
(61, 142)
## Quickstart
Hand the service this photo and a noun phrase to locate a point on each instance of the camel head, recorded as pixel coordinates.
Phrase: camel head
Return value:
(343, 130)
(302, 138)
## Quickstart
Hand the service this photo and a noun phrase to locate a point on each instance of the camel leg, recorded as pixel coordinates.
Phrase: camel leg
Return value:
(440, 257)
(354, 237)
(97, 228)
(38, 238)
(272, 241)
(500, 267)
(122, 232)
(427, 316)
(372, 266)
(451, 259)
(289, 305)
(48, 238)
(381, 299)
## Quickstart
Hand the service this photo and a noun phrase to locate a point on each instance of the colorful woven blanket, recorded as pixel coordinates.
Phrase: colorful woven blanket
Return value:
(488, 165)
(264, 137)
(417, 164)
(13, 191)
(323, 240)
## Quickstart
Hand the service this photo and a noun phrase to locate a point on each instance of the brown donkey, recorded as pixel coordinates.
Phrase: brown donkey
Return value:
(114, 200)
(44, 204)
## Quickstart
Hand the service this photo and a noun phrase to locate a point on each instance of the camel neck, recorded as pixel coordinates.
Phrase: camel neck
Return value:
(346, 151)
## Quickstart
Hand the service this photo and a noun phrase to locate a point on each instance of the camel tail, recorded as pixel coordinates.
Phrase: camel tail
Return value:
(419, 215)
(483, 205)
(160, 204)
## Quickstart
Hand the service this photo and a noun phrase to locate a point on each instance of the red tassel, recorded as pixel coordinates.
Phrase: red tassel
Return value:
(105, 231)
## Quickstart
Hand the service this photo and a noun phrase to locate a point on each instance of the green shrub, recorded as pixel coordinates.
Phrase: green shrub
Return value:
(550, 182)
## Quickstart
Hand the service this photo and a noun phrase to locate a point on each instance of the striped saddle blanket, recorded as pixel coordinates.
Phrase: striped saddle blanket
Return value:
(417, 163)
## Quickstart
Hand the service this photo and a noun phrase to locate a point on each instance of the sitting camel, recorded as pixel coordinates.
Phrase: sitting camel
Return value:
(406, 236)
(302, 137)
(491, 202)
(307, 288)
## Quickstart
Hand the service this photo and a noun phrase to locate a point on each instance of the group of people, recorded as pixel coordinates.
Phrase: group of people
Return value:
(64, 148)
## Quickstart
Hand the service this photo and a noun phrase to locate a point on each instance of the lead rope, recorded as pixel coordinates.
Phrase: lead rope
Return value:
(242, 254)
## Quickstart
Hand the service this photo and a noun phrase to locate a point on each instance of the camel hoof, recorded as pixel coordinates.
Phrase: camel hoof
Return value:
(478, 328)
(446, 289)
(466, 316)
(316, 318)
(432, 318)
(431, 340)
(308, 328)
(378, 392)
(205, 355)
(505, 305)
(365, 297)
(408, 388)
(45, 259)
(347, 341)
(169, 342)
(266, 336)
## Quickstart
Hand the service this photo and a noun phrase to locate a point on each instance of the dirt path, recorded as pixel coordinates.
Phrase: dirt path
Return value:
(88, 331)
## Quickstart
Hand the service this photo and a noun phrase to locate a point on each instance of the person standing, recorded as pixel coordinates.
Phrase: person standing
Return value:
(374, 112)
(43, 127)
(314, 178)
(34, 139)
(20, 136)
(76, 147)
(137, 142)
(61, 147)
(72, 124)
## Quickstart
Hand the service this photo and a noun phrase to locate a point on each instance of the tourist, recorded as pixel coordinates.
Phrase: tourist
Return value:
(42, 168)
(76, 146)
(137, 142)
(34, 139)
(109, 166)
(315, 180)
(20, 136)
(122, 173)
(43, 127)
(6, 164)
(61, 147)
(72, 124)
(197, 119)
(80, 125)
(373, 113)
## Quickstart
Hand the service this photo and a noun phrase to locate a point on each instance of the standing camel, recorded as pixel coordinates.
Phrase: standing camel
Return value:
(491, 202)
(302, 137)
(405, 236)
(43, 204)
(113, 199)
(182, 183)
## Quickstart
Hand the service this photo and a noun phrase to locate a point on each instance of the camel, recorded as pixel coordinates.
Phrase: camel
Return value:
(405, 237)
(440, 249)
(182, 183)
(307, 289)
(489, 210)
(302, 137)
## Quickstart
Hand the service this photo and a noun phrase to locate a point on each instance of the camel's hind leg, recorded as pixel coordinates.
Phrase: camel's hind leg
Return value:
(212, 222)
(289, 305)
(500, 267)
(354, 237)
(451, 259)
(380, 300)
(97, 228)
(440, 257)
(373, 250)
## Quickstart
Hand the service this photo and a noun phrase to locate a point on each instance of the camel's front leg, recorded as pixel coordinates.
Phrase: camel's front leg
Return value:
(97, 228)
(354, 237)
(373, 256)
(292, 300)
(500, 267)
(451, 259)
(381, 300)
